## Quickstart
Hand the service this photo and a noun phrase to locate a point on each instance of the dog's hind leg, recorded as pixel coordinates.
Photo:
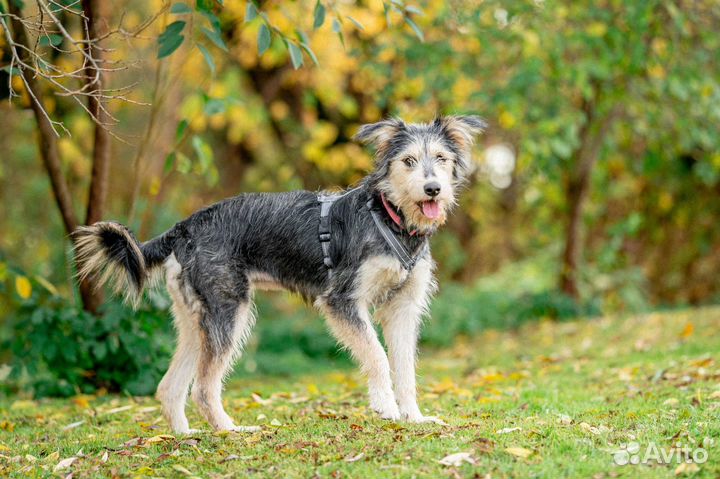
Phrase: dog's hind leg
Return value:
(350, 324)
(400, 318)
(225, 327)
(173, 389)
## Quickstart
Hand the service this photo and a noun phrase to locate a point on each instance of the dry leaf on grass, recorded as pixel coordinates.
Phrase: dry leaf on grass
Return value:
(686, 468)
(159, 438)
(519, 452)
(508, 430)
(64, 464)
(455, 460)
(73, 425)
(353, 458)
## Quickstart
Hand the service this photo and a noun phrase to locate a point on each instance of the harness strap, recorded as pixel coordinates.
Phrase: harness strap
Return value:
(406, 259)
(324, 230)
(325, 234)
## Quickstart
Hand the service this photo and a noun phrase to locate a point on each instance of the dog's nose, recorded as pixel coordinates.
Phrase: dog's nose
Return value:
(432, 188)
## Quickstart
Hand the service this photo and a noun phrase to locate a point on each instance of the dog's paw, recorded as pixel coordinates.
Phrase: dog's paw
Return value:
(386, 408)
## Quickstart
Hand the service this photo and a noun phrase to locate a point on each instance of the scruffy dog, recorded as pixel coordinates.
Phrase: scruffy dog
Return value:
(365, 250)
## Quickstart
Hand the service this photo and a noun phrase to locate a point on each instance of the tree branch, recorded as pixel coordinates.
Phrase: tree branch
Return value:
(46, 129)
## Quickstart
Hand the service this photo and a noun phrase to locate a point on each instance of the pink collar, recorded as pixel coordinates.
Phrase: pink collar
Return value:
(390, 211)
(393, 215)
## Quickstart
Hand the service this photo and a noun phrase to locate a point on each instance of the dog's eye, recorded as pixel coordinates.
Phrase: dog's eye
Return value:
(440, 159)
(409, 161)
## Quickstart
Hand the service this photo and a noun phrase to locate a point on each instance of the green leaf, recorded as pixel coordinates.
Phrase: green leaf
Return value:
(356, 23)
(251, 12)
(183, 164)
(180, 8)
(172, 30)
(180, 130)
(213, 106)
(170, 45)
(53, 39)
(295, 55)
(213, 19)
(415, 28)
(214, 36)
(169, 162)
(337, 28)
(264, 38)
(319, 15)
(11, 71)
(204, 154)
(414, 9)
(204, 5)
(310, 53)
(208, 58)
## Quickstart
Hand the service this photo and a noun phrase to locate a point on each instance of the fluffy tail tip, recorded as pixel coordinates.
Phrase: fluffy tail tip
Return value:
(108, 252)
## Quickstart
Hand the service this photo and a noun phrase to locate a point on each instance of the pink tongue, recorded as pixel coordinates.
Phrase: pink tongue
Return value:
(431, 209)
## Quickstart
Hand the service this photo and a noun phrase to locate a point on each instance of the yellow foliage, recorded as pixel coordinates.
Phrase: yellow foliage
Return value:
(656, 71)
(665, 201)
(23, 287)
(507, 120)
(596, 29)
(279, 110)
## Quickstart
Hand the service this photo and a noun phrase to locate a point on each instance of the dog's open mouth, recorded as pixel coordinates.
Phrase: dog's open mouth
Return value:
(430, 209)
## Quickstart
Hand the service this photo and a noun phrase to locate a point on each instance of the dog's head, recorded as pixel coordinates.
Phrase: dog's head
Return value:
(419, 167)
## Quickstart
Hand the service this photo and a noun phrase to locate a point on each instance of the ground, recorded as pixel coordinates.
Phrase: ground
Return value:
(548, 400)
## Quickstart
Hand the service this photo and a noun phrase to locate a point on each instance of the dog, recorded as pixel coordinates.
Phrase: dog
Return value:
(352, 254)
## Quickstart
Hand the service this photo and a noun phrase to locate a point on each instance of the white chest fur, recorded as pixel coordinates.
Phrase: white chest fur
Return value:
(378, 277)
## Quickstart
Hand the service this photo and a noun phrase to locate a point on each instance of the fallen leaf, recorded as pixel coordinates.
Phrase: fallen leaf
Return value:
(73, 425)
(686, 468)
(64, 464)
(457, 459)
(356, 457)
(229, 458)
(117, 410)
(671, 402)
(687, 331)
(181, 469)
(519, 452)
(258, 399)
(7, 426)
(159, 438)
(508, 430)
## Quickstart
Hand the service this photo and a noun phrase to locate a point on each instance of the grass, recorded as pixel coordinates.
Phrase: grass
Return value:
(548, 400)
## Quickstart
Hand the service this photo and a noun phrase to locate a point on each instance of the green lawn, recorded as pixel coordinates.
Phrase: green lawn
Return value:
(548, 400)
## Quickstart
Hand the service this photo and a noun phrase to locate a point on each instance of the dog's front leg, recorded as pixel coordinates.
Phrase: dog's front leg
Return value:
(400, 318)
(350, 324)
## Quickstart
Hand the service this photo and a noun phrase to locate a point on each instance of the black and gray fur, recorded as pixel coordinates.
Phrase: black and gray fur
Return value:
(215, 259)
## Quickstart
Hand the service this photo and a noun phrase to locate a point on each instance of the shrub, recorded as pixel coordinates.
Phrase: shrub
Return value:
(57, 349)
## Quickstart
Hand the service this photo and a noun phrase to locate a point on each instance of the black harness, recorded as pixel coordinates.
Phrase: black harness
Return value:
(406, 258)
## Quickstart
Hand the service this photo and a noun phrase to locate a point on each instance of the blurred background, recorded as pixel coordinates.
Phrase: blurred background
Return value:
(595, 190)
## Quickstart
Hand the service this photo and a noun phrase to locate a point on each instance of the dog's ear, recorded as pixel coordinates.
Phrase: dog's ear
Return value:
(380, 133)
(462, 129)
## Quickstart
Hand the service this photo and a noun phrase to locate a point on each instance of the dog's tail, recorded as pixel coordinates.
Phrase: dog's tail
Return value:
(109, 252)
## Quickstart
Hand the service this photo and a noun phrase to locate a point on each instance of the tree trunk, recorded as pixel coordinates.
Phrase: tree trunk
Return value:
(592, 136)
(47, 138)
(50, 155)
(92, 298)
(101, 148)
